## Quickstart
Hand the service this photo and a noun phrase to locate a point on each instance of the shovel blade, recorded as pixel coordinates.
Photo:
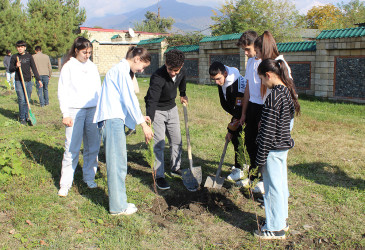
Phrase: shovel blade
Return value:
(213, 182)
(189, 180)
(32, 119)
(197, 173)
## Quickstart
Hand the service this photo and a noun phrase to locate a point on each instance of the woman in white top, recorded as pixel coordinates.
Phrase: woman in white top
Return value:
(118, 107)
(79, 87)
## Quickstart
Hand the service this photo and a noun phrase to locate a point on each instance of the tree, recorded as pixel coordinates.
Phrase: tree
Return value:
(278, 16)
(353, 12)
(53, 24)
(154, 23)
(12, 20)
(188, 38)
(324, 17)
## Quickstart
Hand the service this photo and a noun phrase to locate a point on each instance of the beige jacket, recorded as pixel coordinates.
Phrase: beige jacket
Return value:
(43, 64)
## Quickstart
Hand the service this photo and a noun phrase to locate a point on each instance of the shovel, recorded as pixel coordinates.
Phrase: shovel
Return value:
(32, 119)
(192, 176)
(217, 182)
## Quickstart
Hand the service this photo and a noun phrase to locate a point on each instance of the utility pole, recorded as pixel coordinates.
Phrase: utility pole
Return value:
(158, 9)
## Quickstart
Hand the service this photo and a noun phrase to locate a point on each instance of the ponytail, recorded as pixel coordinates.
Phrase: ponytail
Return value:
(279, 68)
(141, 52)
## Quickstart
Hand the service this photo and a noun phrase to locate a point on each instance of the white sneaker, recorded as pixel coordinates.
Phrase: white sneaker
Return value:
(259, 188)
(91, 184)
(243, 183)
(63, 192)
(131, 209)
(235, 175)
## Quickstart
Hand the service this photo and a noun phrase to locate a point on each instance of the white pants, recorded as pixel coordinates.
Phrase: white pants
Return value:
(85, 130)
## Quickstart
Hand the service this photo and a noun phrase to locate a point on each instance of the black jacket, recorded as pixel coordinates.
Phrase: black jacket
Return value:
(27, 62)
(234, 99)
(162, 92)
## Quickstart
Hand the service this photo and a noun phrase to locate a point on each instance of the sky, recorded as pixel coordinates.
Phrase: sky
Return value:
(101, 8)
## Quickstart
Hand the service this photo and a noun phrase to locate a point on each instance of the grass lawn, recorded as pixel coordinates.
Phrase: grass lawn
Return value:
(326, 182)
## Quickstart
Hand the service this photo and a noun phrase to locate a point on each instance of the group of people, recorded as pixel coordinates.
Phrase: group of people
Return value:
(264, 99)
(37, 65)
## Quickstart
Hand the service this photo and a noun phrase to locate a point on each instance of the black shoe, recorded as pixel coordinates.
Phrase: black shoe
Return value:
(23, 122)
(130, 132)
(161, 183)
(177, 173)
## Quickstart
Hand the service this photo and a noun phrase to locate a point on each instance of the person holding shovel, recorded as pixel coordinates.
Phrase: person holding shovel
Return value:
(231, 89)
(26, 62)
(161, 108)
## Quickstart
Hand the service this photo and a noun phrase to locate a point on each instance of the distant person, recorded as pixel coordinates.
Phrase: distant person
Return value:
(231, 89)
(79, 88)
(9, 75)
(161, 108)
(44, 68)
(118, 107)
(274, 141)
(26, 62)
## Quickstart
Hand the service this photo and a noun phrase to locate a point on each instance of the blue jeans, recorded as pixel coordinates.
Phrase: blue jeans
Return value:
(43, 92)
(113, 135)
(22, 102)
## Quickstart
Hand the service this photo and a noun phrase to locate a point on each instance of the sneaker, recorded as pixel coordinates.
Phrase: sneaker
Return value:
(130, 132)
(91, 184)
(131, 209)
(63, 192)
(270, 235)
(243, 183)
(177, 173)
(259, 188)
(235, 175)
(263, 226)
(23, 122)
(161, 183)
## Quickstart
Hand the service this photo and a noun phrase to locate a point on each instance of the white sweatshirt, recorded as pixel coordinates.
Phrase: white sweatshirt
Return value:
(79, 86)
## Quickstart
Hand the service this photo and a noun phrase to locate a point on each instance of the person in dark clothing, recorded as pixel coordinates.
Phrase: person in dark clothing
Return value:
(161, 108)
(26, 63)
(9, 76)
(231, 88)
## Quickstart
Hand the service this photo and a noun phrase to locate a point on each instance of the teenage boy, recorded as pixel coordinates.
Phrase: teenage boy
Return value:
(161, 108)
(231, 89)
(44, 67)
(9, 76)
(26, 63)
(252, 105)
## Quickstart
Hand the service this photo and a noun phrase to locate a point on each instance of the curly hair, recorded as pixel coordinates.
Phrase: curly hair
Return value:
(175, 58)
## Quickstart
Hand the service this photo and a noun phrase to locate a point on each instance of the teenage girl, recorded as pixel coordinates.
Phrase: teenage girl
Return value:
(78, 91)
(118, 106)
(274, 141)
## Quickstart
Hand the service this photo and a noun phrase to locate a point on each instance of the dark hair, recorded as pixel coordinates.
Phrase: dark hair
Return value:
(216, 68)
(141, 52)
(175, 58)
(80, 43)
(7, 51)
(279, 68)
(247, 38)
(267, 45)
(20, 43)
(37, 48)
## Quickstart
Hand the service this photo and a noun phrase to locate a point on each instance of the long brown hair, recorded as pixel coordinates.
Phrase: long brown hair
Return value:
(80, 43)
(267, 45)
(279, 68)
(134, 51)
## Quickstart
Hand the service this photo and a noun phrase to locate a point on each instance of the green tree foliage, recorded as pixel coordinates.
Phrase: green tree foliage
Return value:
(324, 17)
(188, 38)
(278, 16)
(53, 24)
(11, 21)
(353, 12)
(154, 23)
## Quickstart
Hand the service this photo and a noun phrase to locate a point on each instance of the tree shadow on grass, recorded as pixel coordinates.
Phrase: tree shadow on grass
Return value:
(51, 158)
(327, 174)
(9, 114)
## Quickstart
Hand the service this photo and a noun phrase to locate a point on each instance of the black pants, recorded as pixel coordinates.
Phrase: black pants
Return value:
(253, 117)
(236, 143)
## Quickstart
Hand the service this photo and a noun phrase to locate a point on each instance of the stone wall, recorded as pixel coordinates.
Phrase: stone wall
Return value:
(106, 56)
(157, 51)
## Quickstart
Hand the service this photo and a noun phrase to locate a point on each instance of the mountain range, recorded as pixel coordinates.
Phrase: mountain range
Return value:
(187, 17)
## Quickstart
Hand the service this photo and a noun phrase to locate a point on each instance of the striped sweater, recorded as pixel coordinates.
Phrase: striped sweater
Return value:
(274, 131)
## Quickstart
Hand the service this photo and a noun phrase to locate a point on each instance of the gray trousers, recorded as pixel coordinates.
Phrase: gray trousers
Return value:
(167, 122)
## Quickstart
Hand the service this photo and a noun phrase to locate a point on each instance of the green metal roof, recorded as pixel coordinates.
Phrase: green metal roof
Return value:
(153, 40)
(115, 36)
(342, 33)
(297, 46)
(184, 48)
(234, 36)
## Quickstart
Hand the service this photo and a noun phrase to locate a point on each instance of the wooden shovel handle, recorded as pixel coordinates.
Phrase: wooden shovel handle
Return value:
(22, 78)
(221, 161)
(187, 135)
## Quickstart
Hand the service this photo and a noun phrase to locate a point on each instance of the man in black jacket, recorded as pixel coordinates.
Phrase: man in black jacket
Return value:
(26, 63)
(231, 88)
(161, 108)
